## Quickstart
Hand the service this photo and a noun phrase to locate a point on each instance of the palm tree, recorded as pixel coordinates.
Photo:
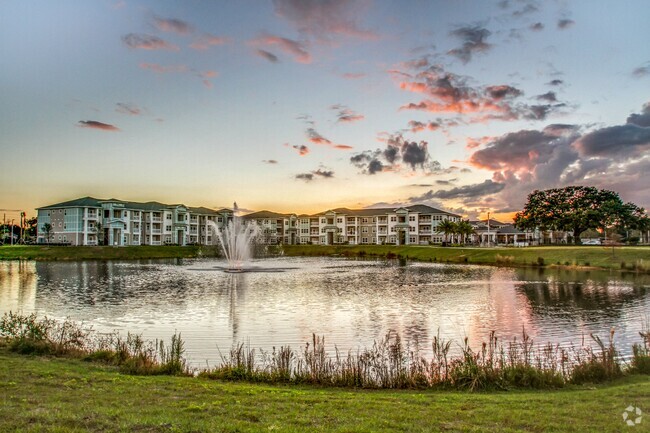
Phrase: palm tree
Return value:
(47, 229)
(464, 228)
(99, 231)
(446, 227)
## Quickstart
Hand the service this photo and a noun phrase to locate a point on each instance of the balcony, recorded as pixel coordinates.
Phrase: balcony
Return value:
(156, 231)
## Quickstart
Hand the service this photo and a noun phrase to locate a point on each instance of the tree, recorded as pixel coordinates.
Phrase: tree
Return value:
(576, 209)
(464, 228)
(446, 227)
(99, 231)
(47, 229)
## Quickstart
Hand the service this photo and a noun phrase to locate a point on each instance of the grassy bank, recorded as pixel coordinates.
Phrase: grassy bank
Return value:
(620, 257)
(63, 395)
(38, 252)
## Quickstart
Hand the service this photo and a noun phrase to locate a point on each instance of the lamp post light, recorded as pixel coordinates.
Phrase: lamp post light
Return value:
(12, 232)
(488, 224)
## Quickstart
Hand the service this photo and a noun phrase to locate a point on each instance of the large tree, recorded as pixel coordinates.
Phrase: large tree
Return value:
(576, 209)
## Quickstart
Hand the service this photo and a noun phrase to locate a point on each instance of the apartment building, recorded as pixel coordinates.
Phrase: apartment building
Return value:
(402, 226)
(91, 221)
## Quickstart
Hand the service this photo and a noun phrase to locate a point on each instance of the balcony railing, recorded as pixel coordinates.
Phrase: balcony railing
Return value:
(156, 231)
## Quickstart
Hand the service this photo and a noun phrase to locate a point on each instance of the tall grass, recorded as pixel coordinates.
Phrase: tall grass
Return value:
(389, 363)
(27, 334)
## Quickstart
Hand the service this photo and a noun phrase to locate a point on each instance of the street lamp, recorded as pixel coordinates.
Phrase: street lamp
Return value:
(12, 231)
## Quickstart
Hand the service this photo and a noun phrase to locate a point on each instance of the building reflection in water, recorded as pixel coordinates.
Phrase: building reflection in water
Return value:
(351, 303)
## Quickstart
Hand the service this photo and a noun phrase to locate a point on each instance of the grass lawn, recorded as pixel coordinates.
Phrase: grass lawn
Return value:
(61, 395)
(630, 258)
(44, 252)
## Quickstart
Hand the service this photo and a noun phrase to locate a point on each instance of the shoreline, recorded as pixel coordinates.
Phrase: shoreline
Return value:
(579, 258)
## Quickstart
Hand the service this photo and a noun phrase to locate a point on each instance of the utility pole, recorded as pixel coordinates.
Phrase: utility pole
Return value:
(12, 232)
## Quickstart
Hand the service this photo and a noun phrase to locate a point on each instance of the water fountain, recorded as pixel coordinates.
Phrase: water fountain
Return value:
(236, 240)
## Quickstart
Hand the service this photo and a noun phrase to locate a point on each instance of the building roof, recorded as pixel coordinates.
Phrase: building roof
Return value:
(509, 230)
(418, 208)
(266, 214)
(79, 202)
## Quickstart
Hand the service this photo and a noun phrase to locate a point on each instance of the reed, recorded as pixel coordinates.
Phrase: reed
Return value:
(389, 363)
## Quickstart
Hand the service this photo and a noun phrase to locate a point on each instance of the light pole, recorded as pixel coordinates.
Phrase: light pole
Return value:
(12, 232)
(488, 224)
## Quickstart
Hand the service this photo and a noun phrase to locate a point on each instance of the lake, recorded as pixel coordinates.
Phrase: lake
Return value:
(351, 302)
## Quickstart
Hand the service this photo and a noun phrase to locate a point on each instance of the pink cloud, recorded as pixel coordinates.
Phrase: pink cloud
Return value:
(316, 138)
(207, 40)
(288, 46)
(172, 25)
(421, 126)
(130, 109)
(93, 124)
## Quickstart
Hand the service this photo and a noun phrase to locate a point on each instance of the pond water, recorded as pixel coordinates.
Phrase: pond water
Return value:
(351, 302)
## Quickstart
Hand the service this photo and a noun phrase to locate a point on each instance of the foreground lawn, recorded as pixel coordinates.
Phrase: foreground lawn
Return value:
(620, 257)
(39, 252)
(59, 395)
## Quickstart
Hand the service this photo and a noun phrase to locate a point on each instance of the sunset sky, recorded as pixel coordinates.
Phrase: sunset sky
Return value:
(304, 106)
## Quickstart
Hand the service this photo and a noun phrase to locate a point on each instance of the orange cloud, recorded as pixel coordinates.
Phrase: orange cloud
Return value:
(172, 25)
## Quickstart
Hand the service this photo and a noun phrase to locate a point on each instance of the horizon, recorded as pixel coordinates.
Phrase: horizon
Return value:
(306, 106)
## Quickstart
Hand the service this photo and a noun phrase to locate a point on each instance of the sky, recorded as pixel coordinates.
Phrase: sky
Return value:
(307, 105)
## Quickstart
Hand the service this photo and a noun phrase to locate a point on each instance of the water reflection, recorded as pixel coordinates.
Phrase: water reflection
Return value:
(352, 303)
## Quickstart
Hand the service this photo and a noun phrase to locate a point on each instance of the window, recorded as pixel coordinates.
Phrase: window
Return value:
(364, 220)
(364, 240)
(323, 221)
(65, 212)
(411, 229)
(364, 229)
(339, 220)
(168, 216)
(392, 229)
(412, 240)
(393, 219)
(411, 217)
(59, 224)
(168, 228)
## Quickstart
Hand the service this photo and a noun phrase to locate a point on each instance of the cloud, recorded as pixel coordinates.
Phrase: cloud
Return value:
(289, 46)
(207, 40)
(641, 71)
(270, 161)
(307, 177)
(324, 173)
(345, 115)
(321, 173)
(536, 27)
(548, 97)
(473, 191)
(397, 150)
(126, 108)
(302, 149)
(353, 76)
(642, 119)
(626, 141)
(267, 55)
(474, 41)
(159, 69)
(416, 126)
(449, 93)
(321, 19)
(172, 25)
(97, 125)
(316, 138)
(147, 42)
(415, 154)
(565, 23)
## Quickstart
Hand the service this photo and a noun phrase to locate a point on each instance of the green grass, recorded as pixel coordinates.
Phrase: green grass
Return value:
(38, 252)
(620, 257)
(62, 395)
